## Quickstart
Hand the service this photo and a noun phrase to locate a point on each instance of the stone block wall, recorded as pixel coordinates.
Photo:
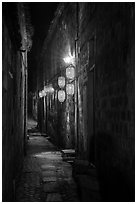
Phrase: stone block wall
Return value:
(12, 114)
(106, 103)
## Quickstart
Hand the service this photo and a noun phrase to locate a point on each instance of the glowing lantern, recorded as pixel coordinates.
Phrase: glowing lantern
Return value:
(61, 96)
(70, 89)
(49, 89)
(69, 59)
(43, 93)
(70, 72)
(61, 81)
(40, 94)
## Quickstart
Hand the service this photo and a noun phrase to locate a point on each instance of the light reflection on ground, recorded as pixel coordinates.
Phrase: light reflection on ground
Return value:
(49, 155)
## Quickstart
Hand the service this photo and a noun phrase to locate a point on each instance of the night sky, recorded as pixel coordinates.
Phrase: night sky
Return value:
(41, 15)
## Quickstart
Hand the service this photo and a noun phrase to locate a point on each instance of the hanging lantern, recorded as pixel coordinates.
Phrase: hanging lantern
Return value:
(61, 81)
(70, 89)
(40, 94)
(43, 93)
(70, 72)
(61, 96)
(49, 89)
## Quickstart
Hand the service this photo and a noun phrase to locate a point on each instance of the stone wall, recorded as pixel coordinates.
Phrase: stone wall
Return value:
(113, 25)
(106, 89)
(12, 105)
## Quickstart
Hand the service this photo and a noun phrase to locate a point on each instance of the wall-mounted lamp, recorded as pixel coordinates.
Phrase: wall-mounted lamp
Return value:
(69, 59)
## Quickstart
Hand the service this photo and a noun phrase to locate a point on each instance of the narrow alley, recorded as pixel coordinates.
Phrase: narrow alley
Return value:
(68, 101)
(45, 177)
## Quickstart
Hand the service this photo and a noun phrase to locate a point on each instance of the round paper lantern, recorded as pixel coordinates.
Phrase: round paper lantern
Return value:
(43, 93)
(61, 96)
(49, 89)
(40, 94)
(70, 89)
(70, 72)
(61, 81)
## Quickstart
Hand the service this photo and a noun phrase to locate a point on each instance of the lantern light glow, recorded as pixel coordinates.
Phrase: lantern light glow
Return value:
(69, 59)
(40, 94)
(70, 72)
(61, 81)
(70, 89)
(61, 96)
(49, 89)
(43, 93)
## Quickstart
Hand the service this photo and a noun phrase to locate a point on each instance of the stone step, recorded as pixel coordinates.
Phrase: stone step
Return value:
(49, 173)
(68, 158)
(49, 179)
(48, 167)
(68, 151)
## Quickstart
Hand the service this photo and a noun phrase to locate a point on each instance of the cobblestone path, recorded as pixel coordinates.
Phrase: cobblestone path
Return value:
(45, 177)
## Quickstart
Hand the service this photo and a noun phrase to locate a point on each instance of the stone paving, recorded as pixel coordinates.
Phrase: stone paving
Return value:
(45, 176)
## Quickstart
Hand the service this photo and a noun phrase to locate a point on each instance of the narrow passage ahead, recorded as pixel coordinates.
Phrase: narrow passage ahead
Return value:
(45, 176)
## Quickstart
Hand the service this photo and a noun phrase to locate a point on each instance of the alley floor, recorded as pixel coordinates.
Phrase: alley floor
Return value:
(45, 176)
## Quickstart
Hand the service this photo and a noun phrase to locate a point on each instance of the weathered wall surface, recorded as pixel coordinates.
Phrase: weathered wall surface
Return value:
(12, 113)
(115, 99)
(106, 131)
(60, 43)
(113, 133)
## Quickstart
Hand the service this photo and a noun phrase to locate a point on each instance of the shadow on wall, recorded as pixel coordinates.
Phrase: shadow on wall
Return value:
(116, 182)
